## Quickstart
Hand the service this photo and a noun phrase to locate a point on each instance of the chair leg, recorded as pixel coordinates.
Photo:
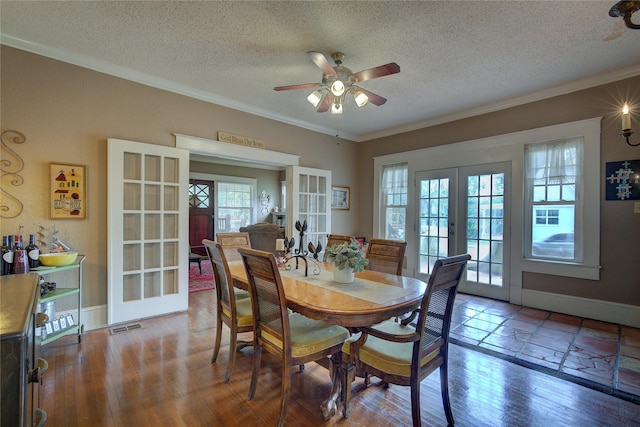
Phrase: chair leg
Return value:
(286, 389)
(347, 374)
(233, 343)
(257, 353)
(415, 402)
(200, 265)
(444, 389)
(216, 346)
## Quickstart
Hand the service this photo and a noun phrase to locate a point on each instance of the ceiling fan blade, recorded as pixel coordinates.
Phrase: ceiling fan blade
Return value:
(381, 71)
(373, 98)
(300, 86)
(321, 61)
(325, 104)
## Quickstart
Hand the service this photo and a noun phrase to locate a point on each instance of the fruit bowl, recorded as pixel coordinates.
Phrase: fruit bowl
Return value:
(58, 259)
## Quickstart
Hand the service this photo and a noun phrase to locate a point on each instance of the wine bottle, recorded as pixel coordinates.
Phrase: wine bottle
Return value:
(7, 256)
(33, 252)
(20, 264)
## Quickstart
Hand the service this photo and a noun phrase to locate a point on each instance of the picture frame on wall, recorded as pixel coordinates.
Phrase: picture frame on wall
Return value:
(340, 197)
(68, 191)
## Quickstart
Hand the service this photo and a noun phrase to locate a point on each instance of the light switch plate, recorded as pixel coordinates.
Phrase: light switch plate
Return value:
(636, 207)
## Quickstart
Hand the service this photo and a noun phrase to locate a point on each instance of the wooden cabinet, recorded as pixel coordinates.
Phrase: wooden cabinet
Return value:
(20, 371)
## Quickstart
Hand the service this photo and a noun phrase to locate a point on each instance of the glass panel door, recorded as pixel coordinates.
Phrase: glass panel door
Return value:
(436, 219)
(465, 210)
(310, 201)
(484, 212)
(148, 230)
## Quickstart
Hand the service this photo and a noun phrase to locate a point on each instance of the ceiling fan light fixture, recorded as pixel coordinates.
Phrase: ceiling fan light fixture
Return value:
(314, 98)
(360, 98)
(337, 88)
(336, 107)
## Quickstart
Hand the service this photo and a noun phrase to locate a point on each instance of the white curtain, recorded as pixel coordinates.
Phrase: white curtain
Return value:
(394, 184)
(557, 162)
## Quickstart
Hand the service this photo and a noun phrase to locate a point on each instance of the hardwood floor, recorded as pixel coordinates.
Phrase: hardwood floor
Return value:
(161, 375)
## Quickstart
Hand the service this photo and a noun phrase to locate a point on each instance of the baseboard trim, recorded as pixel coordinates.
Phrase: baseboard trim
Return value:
(91, 317)
(606, 311)
(624, 314)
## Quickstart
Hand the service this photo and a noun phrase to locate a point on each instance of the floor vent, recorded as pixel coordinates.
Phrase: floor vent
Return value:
(123, 329)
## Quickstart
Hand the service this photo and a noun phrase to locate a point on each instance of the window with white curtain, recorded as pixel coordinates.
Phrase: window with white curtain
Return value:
(553, 200)
(394, 200)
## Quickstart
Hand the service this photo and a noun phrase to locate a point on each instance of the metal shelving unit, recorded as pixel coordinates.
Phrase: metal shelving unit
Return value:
(61, 292)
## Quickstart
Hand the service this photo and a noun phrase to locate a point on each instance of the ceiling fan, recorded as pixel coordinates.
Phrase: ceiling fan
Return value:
(338, 81)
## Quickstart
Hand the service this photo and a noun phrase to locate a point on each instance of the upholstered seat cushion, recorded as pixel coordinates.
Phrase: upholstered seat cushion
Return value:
(243, 310)
(240, 293)
(388, 356)
(309, 336)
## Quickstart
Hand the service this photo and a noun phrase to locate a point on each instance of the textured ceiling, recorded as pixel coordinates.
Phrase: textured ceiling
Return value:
(457, 58)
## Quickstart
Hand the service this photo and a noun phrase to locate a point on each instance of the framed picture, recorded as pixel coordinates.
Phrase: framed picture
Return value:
(340, 197)
(68, 191)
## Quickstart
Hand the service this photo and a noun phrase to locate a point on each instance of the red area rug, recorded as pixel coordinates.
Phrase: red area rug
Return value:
(200, 282)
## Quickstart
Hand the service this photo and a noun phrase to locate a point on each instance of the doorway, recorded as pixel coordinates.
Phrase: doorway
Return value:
(201, 214)
(465, 210)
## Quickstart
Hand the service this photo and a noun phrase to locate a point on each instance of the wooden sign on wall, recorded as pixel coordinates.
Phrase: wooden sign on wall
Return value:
(240, 140)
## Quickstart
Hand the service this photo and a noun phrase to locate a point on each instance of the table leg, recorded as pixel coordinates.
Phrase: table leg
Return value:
(329, 406)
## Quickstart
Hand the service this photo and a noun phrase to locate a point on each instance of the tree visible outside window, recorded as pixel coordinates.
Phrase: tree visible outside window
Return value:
(394, 200)
(553, 179)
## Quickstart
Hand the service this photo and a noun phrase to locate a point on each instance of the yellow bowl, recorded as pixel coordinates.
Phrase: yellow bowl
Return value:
(58, 259)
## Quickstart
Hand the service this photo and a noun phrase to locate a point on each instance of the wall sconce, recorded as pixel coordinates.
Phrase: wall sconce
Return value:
(626, 125)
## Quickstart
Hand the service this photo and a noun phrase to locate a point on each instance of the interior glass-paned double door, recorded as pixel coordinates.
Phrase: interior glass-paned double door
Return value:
(148, 230)
(310, 201)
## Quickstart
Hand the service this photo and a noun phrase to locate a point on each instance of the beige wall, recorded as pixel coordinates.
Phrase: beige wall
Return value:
(67, 113)
(620, 227)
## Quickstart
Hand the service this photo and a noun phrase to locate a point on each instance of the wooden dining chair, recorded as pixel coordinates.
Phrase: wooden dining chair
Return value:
(230, 243)
(291, 337)
(337, 239)
(386, 256)
(405, 355)
(231, 310)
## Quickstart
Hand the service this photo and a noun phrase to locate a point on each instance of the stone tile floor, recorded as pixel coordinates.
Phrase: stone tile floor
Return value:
(599, 355)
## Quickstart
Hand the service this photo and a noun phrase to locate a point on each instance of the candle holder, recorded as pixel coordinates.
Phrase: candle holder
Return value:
(300, 253)
(626, 134)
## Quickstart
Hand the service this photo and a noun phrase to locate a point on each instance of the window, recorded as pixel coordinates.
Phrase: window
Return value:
(394, 200)
(198, 195)
(553, 182)
(547, 216)
(234, 205)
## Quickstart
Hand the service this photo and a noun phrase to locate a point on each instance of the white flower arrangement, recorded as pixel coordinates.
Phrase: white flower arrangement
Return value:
(346, 255)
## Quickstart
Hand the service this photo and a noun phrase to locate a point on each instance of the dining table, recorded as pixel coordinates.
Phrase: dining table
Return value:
(371, 298)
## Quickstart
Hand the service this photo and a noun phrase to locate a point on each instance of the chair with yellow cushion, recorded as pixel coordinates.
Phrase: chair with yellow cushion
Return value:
(386, 256)
(291, 337)
(232, 310)
(231, 242)
(405, 355)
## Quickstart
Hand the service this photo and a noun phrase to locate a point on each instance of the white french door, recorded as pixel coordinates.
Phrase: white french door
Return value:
(310, 201)
(148, 230)
(465, 210)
